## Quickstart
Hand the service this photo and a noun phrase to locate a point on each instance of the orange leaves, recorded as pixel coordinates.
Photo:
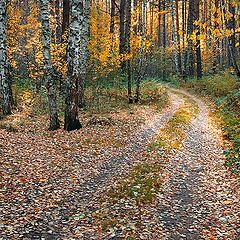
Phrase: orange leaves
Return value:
(24, 39)
(217, 33)
(163, 12)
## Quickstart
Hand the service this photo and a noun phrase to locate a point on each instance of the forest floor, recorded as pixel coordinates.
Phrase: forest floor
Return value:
(138, 174)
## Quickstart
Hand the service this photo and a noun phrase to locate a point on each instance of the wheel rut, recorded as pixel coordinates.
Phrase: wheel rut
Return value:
(186, 207)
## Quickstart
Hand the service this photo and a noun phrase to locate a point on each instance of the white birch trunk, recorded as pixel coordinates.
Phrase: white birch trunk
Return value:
(48, 68)
(83, 51)
(71, 121)
(5, 83)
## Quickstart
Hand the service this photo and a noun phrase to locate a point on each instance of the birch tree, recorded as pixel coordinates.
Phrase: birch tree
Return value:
(5, 83)
(71, 120)
(83, 51)
(48, 67)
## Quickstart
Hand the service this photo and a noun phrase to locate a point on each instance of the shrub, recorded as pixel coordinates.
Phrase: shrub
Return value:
(218, 85)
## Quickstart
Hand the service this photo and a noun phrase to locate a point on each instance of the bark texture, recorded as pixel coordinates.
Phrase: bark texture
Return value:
(71, 120)
(83, 51)
(174, 36)
(122, 46)
(140, 73)
(5, 83)
(65, 16)
(48, 68)
(128, 46)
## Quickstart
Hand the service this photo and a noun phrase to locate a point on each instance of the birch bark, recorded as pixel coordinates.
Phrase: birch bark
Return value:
(71, 120)
(5, 83)
(83, 51)
(48, 68)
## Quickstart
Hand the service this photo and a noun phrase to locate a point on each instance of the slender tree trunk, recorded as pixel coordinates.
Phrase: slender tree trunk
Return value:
(216, 39)
(174, 36)
(113, 13)
(135, 27)
(5, 83)
(232, 39)
(128, 43)
(84, 36)
(159, 24)
(164, 40)
(183, 38)
(66, 14)
(122, 47)
(190, 61)
(58, 26)
(141, 53)
(71, 121)
(178, 38)
(48, 68)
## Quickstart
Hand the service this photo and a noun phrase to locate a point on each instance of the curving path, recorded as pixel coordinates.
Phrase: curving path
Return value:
(197, 201)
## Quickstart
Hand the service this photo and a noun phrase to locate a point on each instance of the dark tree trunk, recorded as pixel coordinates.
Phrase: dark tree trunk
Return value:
(113, 13)
(128, 45)
(66, 14)
(190, 62)
(232, 40)
(122, 47)
(141, 53)
(58, 26)
(198, 43)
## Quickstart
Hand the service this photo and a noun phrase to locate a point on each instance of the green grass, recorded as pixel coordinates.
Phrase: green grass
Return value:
(142, 184)
(106, 98)
(172, 135)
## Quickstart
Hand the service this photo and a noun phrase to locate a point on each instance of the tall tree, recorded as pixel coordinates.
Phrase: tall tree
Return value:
(58, 21)
(83, 51)
(159, 23)
(128, 46)
(174, 36)
(113, 13)
(178, 37)
(71, 120)
(48, 67)
(232, 39)
(5, 83)
(190, 57)
(141, 52)
(65, 16)
(122, 46)
(198, 43)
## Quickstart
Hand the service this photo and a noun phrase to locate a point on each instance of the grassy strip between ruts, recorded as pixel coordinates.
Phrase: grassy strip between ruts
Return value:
(172, 135)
